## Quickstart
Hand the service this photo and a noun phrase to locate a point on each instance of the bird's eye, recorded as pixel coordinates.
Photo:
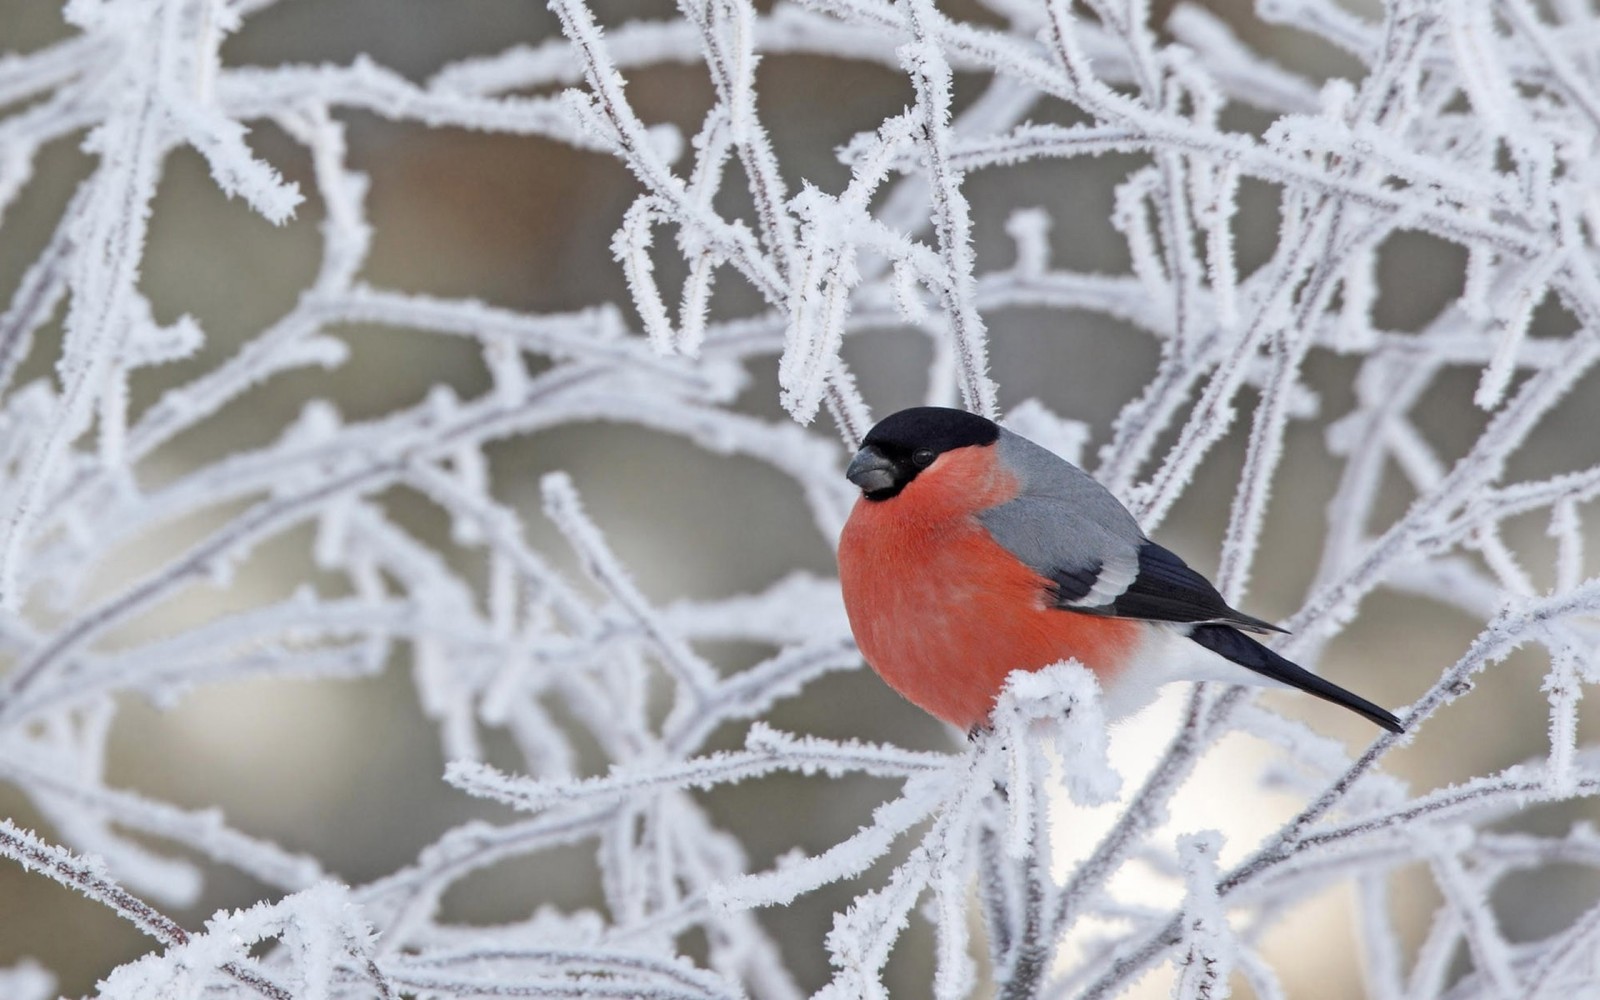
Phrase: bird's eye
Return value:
(923, 457)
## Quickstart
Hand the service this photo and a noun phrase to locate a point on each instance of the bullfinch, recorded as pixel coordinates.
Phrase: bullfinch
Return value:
(973, 552)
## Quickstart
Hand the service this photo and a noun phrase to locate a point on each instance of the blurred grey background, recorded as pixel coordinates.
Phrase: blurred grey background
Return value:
(349, 772)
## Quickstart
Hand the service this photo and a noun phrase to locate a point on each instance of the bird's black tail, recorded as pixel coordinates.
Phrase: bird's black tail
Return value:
(1233, 645)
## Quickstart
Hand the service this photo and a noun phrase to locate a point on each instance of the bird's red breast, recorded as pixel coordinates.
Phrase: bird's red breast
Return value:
(941, 611)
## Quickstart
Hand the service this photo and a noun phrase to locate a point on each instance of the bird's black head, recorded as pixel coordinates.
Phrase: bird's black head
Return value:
(905, 443)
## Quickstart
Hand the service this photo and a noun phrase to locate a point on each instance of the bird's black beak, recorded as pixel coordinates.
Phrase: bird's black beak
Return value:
(870, 470)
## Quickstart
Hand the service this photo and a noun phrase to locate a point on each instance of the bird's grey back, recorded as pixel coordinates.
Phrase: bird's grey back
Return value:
(1062, 519)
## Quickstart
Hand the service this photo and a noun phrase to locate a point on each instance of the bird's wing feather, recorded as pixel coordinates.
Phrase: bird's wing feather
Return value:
(1166, 589)
(1073, 532)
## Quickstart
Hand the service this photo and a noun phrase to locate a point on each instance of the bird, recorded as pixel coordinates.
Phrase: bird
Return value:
(972, 552)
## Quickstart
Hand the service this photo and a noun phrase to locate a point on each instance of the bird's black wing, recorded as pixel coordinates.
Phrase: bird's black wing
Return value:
(1165, 589)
